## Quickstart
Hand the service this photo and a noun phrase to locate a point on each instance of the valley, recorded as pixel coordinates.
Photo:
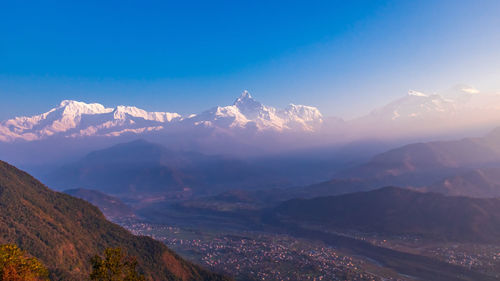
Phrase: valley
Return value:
(252, 220)
(249, 254)
(349, 227)
(250, 140)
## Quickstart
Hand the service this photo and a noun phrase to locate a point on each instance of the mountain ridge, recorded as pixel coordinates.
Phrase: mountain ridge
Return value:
(460, 108)
(399, 211)
(246, 128)
(141, 167)
(64, 232)
(73, 119)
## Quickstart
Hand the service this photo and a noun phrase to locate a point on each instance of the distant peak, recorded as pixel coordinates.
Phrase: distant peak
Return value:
(72, 107)
(68, 102)
(245, 97)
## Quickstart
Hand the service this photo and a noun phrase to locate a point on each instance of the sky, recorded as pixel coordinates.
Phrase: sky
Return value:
(344, 57)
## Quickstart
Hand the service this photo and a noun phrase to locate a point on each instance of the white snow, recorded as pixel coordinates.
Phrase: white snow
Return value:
(75, 119)
(246, 111)
(458, 107)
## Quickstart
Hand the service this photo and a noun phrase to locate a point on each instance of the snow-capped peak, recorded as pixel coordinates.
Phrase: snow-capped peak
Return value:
(414, 106)
(245, 95)
(307, 113)
(246, 112)
(246, 99)
(76, 119)
(76, 108)
(249, 107)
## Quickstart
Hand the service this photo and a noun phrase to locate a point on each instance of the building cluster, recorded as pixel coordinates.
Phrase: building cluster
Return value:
(259, 256)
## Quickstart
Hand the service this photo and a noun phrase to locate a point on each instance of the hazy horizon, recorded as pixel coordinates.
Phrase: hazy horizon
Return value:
(250, 140)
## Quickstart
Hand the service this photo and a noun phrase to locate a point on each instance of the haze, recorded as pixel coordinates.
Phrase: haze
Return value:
(245, 141)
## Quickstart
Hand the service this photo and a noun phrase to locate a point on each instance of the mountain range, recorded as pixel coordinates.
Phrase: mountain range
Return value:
(74, 119)
(466, 167)
(142, 169)
(248, 126)
(419, 114)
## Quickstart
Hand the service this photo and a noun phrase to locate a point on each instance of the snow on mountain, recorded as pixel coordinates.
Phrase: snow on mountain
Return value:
(461, 107)
(246, 112)
(456, 102)
(60, 119)
(415, 105)
(121, 112)
(303, 116)
(73, 119)
(456, 110)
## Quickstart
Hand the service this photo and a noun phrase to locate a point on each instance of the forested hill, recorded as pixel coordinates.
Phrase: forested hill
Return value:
(65, 232)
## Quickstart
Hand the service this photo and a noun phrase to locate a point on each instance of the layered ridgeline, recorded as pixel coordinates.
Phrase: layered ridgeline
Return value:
(65, 232)
(144, 168)
(397, 211)
(467, 167)
(423, 163)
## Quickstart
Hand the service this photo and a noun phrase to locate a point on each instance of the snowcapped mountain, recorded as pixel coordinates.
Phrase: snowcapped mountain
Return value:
(246, 112)
(460, 108)
(416, 105)
(415, 114)
(73, 119)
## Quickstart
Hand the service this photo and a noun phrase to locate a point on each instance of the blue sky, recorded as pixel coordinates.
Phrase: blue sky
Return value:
(344, 57)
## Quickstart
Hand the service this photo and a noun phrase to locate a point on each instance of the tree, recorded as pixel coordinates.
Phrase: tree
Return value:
(16, 265)
(114, 266)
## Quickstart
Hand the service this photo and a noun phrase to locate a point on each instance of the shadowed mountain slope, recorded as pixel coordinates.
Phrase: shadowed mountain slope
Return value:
(141, 167)
(397, 211)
